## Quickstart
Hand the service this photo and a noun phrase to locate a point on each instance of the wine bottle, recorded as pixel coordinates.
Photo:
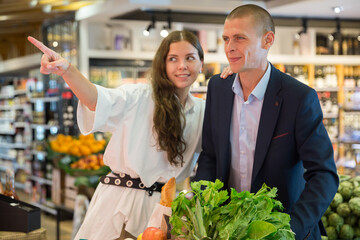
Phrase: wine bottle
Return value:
(1, 186)
(10, 185)
(344, 46)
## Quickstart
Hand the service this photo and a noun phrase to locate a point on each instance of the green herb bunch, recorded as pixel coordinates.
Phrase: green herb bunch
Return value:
(246, 216)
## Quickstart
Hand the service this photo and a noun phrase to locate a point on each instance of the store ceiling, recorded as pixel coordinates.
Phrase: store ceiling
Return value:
(319, 13)
(19, 17)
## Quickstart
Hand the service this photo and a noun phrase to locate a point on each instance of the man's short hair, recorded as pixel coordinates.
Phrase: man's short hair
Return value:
(261, 17)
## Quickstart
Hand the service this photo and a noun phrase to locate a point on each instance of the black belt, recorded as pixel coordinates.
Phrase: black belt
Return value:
(125, 180)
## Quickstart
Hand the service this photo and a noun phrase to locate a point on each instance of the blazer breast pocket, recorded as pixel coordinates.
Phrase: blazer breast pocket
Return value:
(280, 138)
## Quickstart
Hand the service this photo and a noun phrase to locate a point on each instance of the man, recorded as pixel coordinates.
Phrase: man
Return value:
(263, 126)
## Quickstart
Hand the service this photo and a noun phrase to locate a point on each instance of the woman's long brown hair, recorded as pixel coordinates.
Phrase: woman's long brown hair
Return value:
(169, 120)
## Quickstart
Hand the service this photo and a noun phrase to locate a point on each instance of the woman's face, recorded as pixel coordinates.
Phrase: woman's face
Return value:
(183, 65)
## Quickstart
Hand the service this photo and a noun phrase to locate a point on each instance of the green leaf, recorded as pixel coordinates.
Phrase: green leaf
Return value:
(260, 229)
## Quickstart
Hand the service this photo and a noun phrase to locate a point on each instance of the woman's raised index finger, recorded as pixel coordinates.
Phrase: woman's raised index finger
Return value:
(40, 45)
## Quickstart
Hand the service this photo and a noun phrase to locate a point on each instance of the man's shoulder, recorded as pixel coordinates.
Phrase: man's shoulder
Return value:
(217, 80)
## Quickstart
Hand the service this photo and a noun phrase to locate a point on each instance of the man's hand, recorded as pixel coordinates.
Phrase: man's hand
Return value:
(51, 62)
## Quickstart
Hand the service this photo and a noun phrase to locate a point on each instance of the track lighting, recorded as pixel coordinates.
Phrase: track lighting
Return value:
(304, 30)
(146, 32)
(338, 9)
(165, 31)
(338, 28)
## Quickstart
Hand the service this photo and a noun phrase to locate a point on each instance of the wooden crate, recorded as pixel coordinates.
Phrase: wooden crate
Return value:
(70, 191)
(57, 187)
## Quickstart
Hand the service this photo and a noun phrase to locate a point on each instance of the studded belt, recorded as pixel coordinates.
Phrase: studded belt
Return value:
(125, 180)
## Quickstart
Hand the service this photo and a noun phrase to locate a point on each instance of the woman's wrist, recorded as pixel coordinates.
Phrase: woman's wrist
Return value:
(67, 69)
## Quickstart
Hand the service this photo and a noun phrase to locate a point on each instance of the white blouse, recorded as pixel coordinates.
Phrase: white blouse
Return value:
(127, 113)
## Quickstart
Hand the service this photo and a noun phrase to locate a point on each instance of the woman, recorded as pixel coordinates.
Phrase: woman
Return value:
(156, 132)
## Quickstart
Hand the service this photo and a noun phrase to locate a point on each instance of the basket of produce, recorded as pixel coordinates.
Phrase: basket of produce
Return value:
(91, 165)
(78, 156)
(342, 218)
(210, 214)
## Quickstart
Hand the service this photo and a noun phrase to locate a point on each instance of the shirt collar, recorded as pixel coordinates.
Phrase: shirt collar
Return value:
(259, 90)
(189, 103)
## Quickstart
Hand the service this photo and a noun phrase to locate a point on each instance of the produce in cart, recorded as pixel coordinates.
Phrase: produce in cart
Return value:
(246, 216)
(158, 226)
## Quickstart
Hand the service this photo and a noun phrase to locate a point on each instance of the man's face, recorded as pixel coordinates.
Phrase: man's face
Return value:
(243, 44)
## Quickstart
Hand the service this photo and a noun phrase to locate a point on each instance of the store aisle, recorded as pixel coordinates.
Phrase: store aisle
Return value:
(49, 223)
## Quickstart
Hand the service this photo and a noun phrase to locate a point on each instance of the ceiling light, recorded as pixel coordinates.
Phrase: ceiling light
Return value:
(146, 32)
(33, 3)
(338, 9)
(47, 8)
(164, 33)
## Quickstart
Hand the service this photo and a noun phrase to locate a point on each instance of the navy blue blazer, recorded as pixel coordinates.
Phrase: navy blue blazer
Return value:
(293, 151)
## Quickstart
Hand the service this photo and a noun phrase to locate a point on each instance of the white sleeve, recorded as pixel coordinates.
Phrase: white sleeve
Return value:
(111, 106)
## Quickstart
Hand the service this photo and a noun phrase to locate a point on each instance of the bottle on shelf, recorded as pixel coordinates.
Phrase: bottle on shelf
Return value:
(10, 185)
(344, 46)
(1, 186)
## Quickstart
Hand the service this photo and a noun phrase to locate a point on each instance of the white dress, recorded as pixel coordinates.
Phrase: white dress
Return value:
(127, 112)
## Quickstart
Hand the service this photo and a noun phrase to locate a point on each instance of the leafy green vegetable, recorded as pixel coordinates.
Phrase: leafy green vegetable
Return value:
(246, 216)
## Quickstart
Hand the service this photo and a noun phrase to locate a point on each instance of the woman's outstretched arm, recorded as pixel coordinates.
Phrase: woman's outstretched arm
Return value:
(52, 62)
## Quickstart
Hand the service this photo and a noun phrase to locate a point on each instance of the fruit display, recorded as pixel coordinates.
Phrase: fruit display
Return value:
(90, 162)
(78, 155)
(83, 145)
(342, 218)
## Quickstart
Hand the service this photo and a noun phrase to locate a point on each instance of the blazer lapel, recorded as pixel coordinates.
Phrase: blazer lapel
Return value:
(269, 114)
(225, 107)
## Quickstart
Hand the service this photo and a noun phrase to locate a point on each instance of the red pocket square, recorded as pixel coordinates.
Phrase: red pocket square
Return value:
(279, 136)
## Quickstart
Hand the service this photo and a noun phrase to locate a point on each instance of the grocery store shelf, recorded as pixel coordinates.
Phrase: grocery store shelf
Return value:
(21, 124)
(40, 180)
(44, 99)
(316, 59)
(111, 54)
(15, 64)
(14, 145)
(7, 157)
(20, 185)
(327, 89)
(331, 115)
(45, 126)
(13, 107)
(9, 132)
